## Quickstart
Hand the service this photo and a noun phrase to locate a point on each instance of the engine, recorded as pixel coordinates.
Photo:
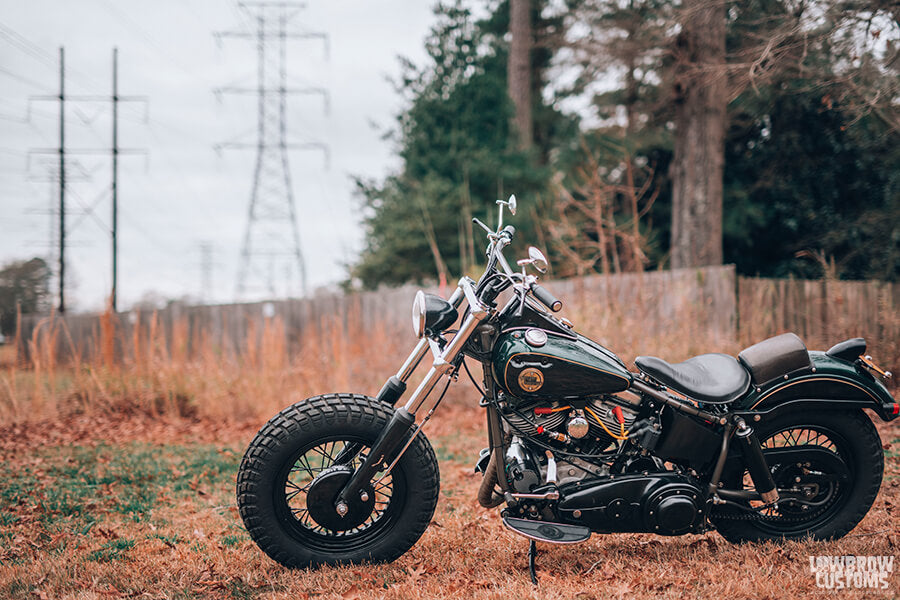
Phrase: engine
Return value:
(592, 428)
(643, 495)
(587, 429)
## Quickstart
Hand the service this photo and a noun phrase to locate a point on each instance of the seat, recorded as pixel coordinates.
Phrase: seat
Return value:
(774, 358)
(848, 350)
(711, 378)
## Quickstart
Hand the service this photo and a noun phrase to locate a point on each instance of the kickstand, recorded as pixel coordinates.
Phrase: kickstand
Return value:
(532, 554)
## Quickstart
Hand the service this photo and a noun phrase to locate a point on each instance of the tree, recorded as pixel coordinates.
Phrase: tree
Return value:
(701, 98)
(459, 152)
(597, 225)
(807, 176)
(25, 288)
(813, 148)
(519, 69)
(817, 53)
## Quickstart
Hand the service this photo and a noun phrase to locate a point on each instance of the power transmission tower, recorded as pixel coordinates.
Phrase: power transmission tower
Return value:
(272, 240)
(114, 151)
(74, 172)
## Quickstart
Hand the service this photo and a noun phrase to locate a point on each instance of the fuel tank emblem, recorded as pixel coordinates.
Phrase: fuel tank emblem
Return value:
(531, 380)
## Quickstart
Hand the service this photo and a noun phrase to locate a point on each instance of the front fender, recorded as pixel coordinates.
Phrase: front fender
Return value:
(832, 383)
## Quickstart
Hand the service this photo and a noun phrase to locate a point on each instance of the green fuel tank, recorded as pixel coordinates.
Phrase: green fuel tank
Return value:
(532, 364)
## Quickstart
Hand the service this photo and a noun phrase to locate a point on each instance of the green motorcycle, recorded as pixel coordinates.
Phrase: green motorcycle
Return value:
(772, 444)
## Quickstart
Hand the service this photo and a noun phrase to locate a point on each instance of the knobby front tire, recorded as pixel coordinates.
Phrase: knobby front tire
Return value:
(301, 442)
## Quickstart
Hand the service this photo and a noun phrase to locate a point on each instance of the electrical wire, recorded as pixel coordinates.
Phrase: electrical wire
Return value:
(532, 439)
(23, 79)
(471, 378)
(624, 435)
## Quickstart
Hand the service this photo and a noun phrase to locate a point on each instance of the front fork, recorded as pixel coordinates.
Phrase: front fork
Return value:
(389, 446)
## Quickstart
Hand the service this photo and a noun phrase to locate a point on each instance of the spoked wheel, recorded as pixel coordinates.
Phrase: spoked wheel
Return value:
(827, 468)
(315, 478)
(298, 463)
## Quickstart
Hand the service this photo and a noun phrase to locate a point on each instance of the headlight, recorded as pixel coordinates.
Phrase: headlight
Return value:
(431, 314)
(419, 314)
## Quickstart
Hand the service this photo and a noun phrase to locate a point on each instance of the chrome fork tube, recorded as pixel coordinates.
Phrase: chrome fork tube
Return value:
(443, 361)
(418, 353)
(413, 360)
(383, 455)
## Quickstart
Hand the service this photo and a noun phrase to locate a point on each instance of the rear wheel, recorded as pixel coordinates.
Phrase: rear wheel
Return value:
(825, 493)
(298, 462)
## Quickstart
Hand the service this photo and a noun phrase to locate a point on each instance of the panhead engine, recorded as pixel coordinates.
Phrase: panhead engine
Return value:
(593, 427)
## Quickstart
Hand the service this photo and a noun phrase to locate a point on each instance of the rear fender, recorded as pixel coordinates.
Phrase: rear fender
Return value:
(831, 384)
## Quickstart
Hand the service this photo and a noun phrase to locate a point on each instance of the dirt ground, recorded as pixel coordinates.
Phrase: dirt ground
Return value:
(139, 506)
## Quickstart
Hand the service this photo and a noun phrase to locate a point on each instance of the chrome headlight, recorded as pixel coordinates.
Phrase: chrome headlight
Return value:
(431, 315)
(419, 312)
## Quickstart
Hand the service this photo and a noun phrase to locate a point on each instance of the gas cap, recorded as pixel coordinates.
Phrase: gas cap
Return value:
(536, 337)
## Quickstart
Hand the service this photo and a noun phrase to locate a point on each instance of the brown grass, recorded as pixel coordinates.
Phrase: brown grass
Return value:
(119, 473)
(136, 505)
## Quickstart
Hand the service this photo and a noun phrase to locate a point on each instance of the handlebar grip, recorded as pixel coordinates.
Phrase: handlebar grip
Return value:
(546, 298)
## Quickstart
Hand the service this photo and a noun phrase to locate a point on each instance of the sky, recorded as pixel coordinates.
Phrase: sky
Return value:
(178, 192)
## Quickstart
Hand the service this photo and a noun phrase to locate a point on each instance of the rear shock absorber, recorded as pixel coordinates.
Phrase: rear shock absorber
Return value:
(756, 462)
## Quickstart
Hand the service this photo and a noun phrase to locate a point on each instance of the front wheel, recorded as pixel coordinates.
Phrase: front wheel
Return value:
(299, 461)
(833, 478)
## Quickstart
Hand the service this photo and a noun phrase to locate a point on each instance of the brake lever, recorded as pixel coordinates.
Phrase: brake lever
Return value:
(522, 291)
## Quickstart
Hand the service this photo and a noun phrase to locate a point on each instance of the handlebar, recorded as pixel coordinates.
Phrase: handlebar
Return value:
(500, 240)
(546, 298)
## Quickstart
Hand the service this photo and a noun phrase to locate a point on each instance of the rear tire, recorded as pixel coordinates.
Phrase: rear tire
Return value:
(297, 443)
(855, 440)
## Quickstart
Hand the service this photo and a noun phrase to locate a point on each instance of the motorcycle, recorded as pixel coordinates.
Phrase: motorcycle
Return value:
(773, 444)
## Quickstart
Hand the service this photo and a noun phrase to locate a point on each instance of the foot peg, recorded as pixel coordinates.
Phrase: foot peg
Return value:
(542, 531)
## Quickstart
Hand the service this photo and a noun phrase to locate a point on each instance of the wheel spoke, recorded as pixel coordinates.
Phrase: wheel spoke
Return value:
(309, 466)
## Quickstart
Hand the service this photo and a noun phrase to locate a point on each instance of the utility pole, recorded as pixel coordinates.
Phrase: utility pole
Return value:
(62, 180)
(115, 151)
(115, 177)
(271, 234)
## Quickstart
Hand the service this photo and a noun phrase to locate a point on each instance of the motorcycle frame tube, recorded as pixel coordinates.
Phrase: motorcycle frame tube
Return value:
(720, 462)
(642, 387)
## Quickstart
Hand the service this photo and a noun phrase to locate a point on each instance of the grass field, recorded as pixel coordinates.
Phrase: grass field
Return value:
(132, 504)
(118, 482)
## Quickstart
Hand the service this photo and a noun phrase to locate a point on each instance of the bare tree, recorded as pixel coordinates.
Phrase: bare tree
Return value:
(598, 216)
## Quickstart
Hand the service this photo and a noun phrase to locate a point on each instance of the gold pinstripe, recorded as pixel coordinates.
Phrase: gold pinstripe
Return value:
(815, 379)
(574, 362)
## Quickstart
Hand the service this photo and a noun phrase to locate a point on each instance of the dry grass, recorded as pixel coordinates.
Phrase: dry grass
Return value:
(119, 476)
(134, 505)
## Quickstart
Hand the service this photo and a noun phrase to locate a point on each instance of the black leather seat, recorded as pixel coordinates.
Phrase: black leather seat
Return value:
(717, 378)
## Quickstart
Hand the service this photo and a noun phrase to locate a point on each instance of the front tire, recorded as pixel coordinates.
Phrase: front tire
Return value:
(298, 446)
(849, 434)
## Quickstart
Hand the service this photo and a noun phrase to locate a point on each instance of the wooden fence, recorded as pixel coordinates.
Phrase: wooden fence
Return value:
(703, 309)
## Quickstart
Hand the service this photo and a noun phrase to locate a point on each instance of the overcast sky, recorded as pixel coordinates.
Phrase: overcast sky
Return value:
(183, 192)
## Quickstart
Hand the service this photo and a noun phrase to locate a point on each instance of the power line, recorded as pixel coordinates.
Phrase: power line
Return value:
(23, 79)
(24, 45)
